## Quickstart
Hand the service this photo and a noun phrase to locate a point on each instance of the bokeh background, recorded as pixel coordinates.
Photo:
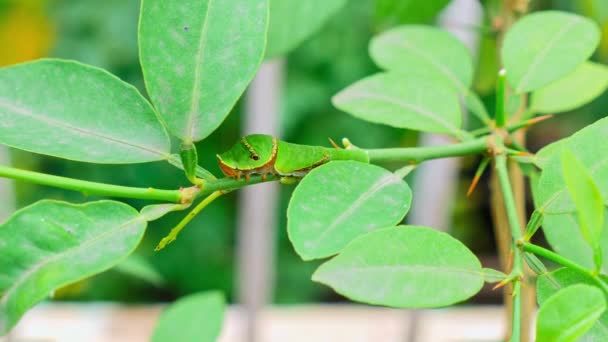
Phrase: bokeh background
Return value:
(104, 34)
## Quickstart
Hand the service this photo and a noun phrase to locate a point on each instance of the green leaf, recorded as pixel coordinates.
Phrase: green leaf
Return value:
(587, 200)
(569, 313)
(550, 283)
(536, 220)
(198, 57)
(535, 264)
(406, 267)
(580, 87)
(552, 198)
(197, 318)
(392, 12)
(394, 100)
(200, 172)
(74, 111)
(425, 52)
(341, 200)
(138, 267)
(51, 244)
(491, 275)
(153, 212)
(189, 158)
(293, 21)
(545, 46)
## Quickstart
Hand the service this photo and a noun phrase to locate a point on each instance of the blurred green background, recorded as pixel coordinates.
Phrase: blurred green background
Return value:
(104, 34)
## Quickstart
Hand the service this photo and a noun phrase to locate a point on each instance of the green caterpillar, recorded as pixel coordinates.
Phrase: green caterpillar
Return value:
(263, 154)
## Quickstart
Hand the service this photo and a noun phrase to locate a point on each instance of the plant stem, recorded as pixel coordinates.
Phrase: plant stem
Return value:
(87, 187)
(416, 155)
(500, 117)
(558, 259)
(409, 154)
(191, 215)
(516, 235)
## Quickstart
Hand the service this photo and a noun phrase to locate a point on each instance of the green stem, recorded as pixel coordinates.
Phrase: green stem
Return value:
(95, 188)
(509, 200)
(416, 155)
(500, 116)
(409, 154)
(191, 215)
(558, 259)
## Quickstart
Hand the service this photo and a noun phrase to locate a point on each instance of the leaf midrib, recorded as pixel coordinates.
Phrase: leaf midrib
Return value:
(437, 119)
(540, 56)
(65, 253)
(57, 123)
(375, 188)
(196, 92)
(410, 268)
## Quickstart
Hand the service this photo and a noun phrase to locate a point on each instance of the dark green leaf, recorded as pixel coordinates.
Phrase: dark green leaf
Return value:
(393, 12)
(194, 318)
(341, 200)
(51, 244)
(74, 111)
(405, 266)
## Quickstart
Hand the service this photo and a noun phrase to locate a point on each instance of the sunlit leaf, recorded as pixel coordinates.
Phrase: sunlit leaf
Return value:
(587, 200)
(198, 57)
(404, 266)
(569, 313)
(341, 200)
(51, 244)
(551, 197)
(74, 111)
(394, 100)
(550, 283)
(425, 52)
(581, 86)
(544, 46)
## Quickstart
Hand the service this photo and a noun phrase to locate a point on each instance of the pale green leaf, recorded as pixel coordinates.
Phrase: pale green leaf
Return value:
(545, 46)
(425, 52)
(74, 111)
(580, 87)
(550, 283)
(569, 313)
(404, 266)
(153, 212)
(51, 244)
(341, 200)
(194, 318)
(552, 199)
(491, 275)
(292, 21)
(587, 200)
(198, 57)
(394, 100)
